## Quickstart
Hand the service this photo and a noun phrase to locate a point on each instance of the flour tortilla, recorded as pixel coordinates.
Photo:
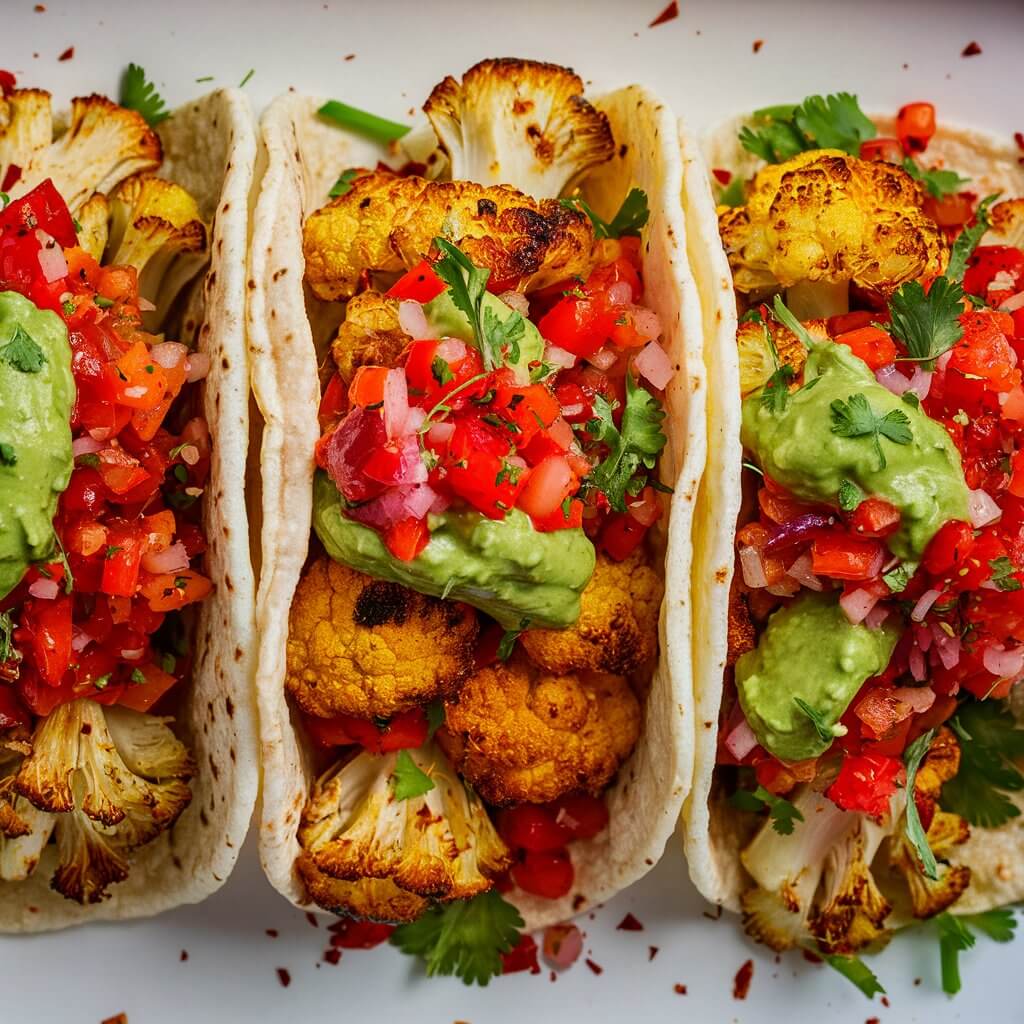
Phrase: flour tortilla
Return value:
(289, 331)
(210, 149)
(714, 831)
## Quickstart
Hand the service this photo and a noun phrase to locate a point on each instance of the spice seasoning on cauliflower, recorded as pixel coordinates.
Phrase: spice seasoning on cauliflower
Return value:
(372, 899)
(370, 648)
(370, 334)
(617, 631)
(518, 734)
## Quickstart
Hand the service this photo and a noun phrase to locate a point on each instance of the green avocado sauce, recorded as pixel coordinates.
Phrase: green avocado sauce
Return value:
(798, 448)
(503, 567)
(810, 650)
(37, 393)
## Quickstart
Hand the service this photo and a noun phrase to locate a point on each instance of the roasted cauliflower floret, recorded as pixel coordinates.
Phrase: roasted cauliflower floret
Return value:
(93, 218)
(104, 144)
(521, 735)
(1007, 219)
(824, 219)
(155, 227)
(373, 899)
(756, 361)
(388, 223)
(617, 631)
(370, 648)
(519, 123)
(24, 830)
(114, 778)
(439, 846)
(370, 334)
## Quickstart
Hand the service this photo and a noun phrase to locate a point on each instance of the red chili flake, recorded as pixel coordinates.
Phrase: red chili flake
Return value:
(67, 54)
(716, 915)
(885, 1002)
(972, 49)
(680, 990)
(872, 1020)
(741, 983)
(118, 1018)
(350, 56)
(1018, 137)
(669, 14)
(722, 176)
(917, 981)
(272, 932)
(40, 8)
(553, 976)
(596, 968)
(521, 957)
(311, 918)
(184, 955)
(756, 45)
(811, 958)
(629, 924)
(284, 976)
(652, 952)
(332, 955)
(349, 934)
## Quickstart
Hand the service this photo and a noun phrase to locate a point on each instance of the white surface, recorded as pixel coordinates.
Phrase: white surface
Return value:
(703, 64)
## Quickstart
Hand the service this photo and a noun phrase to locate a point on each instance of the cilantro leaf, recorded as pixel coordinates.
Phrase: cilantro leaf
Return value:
(927, 324)
(827, 733)
(409, 779)
(820, 122)
(968, 239)
(7, 649)
(637, 443)
(344, 182)
(138, 93)
(733, 194)
(783, 814)
(854, 970)
(23, 352)
(773, 141)
(441, 371)
(990, 742)
(465, 938)
(856, 418)
(954, 938)
(435, 717)
(787, 319)
(1003, 574)
(503, 335)
(896, 579)
(8, 456)
(915, 831)
(775, 393)
(939, 183)
(630, 219)
(509, 638)
(850, 496)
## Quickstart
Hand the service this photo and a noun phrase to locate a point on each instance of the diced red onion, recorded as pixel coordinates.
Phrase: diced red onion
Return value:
(741, 741)
(168, 354)
(943, 361)
(132, 653)
(875, 617)
(85, 445)
(921, 383)
(441, 432)
(753, 570)
(169, 560)
(917, 666)
(925, 634)
(452, 350)
(441, 504)
(197, 366)
(784, 588)
(982, 508)
(796, 531)
(51, 258)
(80, 640)
(654, 364)
(620, 293)
(1013, 303)
(891, 378)
(419, 499)
(948, 650)
(646, 322)
(559, 357)
(413, 320)
(396, 403)
(1003, 663)
(44, 589)
(801, 571)
(413, 470)
(416, 418)
(924, 604)
(573, 409)
(605, 358)
(563, 944)
(857, 604)
(517, 301)
(920, 698)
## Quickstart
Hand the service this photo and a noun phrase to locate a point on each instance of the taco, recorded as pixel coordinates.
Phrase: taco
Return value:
(478, 357)
(856, 676)
(127, 729)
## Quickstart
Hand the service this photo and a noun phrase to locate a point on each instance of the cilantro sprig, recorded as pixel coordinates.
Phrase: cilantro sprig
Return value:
(856, 418)
(940, 183)
(967, 241)
(465, 938)
(409, 780)
(927, 323)
(782, 813)
(913, 757)
(820, 122)
(138, 93)
(22, 352)
(1004, 574)
(630, 219)
(787, 318)
(957, 935)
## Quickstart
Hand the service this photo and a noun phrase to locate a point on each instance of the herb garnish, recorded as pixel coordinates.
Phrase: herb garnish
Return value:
(379, 129)
(856, 418)
(913, 757)
(409, 780)
(630, 219)
(23, 352)
(782, 813)
(927, 324)
(820, 122)
(344, 182)
(138, 93)
(826, 733)
(1003, 574)
(967, 241)
(940, 183)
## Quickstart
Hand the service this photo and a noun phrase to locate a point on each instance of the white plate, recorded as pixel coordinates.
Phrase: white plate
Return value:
(704, 64)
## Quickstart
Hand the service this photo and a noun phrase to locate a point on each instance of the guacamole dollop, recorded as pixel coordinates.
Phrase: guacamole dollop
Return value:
(809, 650)
(798, 448)
(503, 567)
(37, 392)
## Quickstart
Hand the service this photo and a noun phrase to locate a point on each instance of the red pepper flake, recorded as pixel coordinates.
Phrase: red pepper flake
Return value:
(722, 176)
(118, 1018)
(311, 918)
(350, 934)
(272, 932)
(596, 968)
(67, 54)
(716, 915)
(284, 976)
(350, 56)
(872, 1020)
(553, 976)
(184, 955)
(972, 49)
(756, 45)
(680, 990)
(629, 924)
(669, 14)
(741, 983)
(1018, 137)
(811, 958)
(332, 955)
(40, 8)
(521, 957)
(885, 1002)
(652, 952)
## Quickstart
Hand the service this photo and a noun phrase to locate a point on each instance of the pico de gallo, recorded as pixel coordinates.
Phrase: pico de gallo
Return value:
(93, 620)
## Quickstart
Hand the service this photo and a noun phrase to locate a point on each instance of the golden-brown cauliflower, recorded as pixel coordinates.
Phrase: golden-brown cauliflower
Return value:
(439, 845)
(824, 219)
(370, 648)
(521, 735)
(1007, 219)
(373, 899)
(519, 123)
(757, 363)
(388, 223)
(617, 631)
(370, 334)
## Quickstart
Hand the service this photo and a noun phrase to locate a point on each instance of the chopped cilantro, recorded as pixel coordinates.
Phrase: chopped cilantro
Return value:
(138, 93)
(508, 640)
(409, 780)
(630, 219)
(361, 122)
(967, 241)
(441, 371)
(733, 194)
(103, 303)
(896, 579)
(927, 324)
(103, 681)
(112, 550)
(912, 758)
(465, 937)
(138, 676)
(785, 317)
(939, 183)
(168, 663)
(827, 733)
(248, 77)
(435, 716)
(1003, 574)
(820, 122)
(956, 935)
(854, 970)
(8, 456)
(850, 496)
(782, 813)
(856, 418)
(344, 183)
(6, 637)
(23, 352)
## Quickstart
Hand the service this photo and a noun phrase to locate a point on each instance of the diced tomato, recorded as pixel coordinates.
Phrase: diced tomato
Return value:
(521, 957)
(43, 208)
(94, 669)
(547, 487)
(949, 548)
(579, 325)
(420, 284)
(871, 344)
(47, 624)
(561, 518)
(141, 695)
(349, 933)
(7, 82)
(582, 815)
(39, 697)
(883, 148)
(951, 211)
(549, 874)
(12, 712)
(405, 730)
(865, 783)
(367, 387)
(407, 538)
(120, 471)
(169, 591)
(915, 126)
(118, 283)
(622, 536)
(989, 261)
(532, 827)
(329, 732)
(843, 557)
(874, 517)
(122, 559)
(334, 401)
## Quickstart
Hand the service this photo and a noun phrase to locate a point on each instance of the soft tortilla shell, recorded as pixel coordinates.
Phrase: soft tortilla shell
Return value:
(210, 149)
(287, 329)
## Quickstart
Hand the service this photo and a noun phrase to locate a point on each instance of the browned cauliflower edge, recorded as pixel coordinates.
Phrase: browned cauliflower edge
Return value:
(370, 334)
